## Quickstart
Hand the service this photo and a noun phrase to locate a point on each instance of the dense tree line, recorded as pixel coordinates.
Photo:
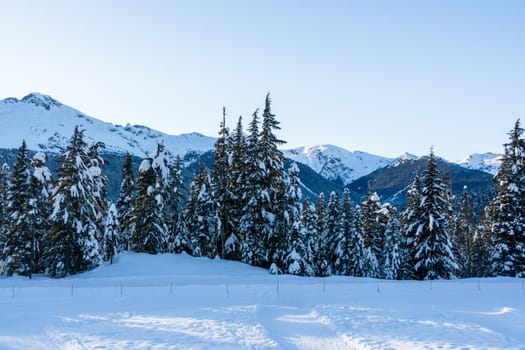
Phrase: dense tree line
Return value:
(251, 209)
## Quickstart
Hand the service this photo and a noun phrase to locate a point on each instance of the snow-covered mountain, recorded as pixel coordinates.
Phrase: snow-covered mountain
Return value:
(335, 163)
(487, 162)
(47, 125)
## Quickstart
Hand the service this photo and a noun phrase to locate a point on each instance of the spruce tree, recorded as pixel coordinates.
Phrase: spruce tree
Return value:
(177, 237)
(71, 245)
(125, 203)
(202, 216)
(347, 255)
(111, 234)
(463, 239)
(508, 209)
(432, 250)
(374, 220)
(19, 246)
(98, 194)
(40, 206)
(237, 175)
(272, 182)
(296, 261)
(309, 221)
(148, 227)
(409, 227)
(4, 184)
(332, 232)
(221, 183)
(321, 258)
(251, 227)
(393, 250)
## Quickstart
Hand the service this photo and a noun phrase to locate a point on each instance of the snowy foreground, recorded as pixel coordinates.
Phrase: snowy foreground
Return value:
(180, 302)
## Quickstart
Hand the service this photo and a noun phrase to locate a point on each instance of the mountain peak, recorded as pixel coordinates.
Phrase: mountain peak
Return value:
(41, 100)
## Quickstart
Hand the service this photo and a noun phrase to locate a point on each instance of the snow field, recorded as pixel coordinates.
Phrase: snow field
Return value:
(179, 302)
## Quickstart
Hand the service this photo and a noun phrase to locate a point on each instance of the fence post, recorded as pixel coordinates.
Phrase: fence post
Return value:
(71, 288)
(121, 289)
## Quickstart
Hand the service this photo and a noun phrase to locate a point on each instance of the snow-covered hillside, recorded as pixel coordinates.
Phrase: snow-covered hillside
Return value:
(47, 125)
(487, 162)
(335, 163)
(179, 302)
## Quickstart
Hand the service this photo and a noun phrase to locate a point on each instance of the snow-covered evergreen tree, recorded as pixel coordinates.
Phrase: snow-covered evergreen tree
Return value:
(309, 220)
(296, 260)
(71, 245)
(177, 236)
(40, 205)
(347, 252)
(111, 234)
(432, 249)
(374, 220)
(221, 182)
(19, 246)
(99, 189)
(333, 231)
(409, 227)
(202, 216)
(148, 227)
(253, 219)
(272, 181)
(463, 239)
(322, 260)
(125, 203)
(393, 251)
(4, 184)
(234, 197)
(508, 209)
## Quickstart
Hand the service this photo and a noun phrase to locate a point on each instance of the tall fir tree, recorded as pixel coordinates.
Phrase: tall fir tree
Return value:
(177, 236)
(40, 205)
(464, 235)
(220, 180)
(432, 249)
(508, 209)
(296, 256)
(322, 260)
(202, 216)
(348, 252)
(332, 231)
(19, 246)
(236, 175)
(110, 242)
(374, 220)
(253, 221)
(309, 220)
(71, 245)
(409, 227)
(125, 203)
(148, 227)
(272, 183)
(393, 249)
(98, 194)
(4, 184)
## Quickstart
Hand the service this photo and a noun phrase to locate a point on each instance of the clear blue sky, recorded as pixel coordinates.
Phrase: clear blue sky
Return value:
(380, 76)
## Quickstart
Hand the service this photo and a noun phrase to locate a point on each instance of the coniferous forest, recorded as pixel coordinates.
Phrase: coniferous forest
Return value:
(249, 208)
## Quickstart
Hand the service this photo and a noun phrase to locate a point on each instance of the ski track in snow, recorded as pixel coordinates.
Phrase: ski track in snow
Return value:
(206, 304)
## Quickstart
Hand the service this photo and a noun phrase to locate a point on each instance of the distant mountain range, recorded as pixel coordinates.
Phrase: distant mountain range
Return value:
(46, 125)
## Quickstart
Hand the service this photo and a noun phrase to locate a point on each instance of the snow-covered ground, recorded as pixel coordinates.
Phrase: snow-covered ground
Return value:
(180, 302)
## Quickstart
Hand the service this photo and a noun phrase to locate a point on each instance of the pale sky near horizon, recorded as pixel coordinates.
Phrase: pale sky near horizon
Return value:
(385, 77)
